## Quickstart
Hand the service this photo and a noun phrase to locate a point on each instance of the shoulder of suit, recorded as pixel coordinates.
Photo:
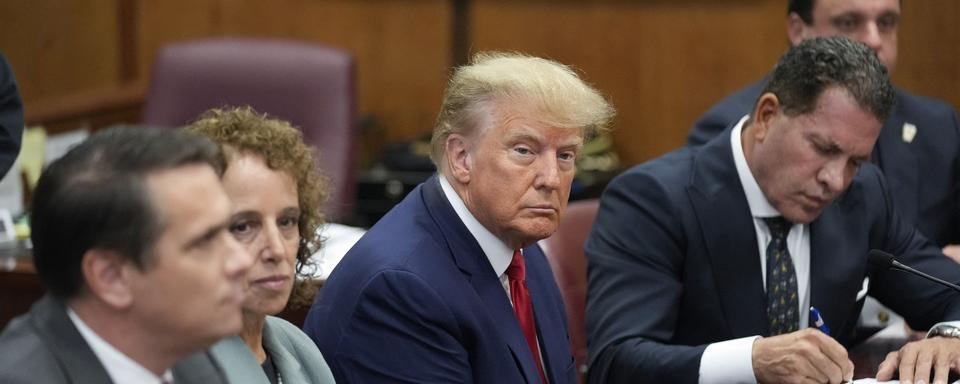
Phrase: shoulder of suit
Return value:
(922, 107)
(25, 355)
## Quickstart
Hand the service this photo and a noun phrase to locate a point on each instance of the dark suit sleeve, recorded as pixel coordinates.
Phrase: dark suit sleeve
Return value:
(954, 233)
(920, 302)
(11, 117)
(401, 332)
(635, 256)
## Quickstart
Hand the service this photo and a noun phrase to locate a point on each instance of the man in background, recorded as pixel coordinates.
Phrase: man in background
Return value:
(130, 239)
(451, 286)
(918, 150)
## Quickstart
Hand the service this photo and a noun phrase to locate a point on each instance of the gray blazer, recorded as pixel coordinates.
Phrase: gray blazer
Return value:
(43, 346)
(296, 356)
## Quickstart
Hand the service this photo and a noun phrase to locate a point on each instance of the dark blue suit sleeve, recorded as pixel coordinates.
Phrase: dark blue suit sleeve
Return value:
(920, 302)
(11, 117)
(401, 332)
(635, 256)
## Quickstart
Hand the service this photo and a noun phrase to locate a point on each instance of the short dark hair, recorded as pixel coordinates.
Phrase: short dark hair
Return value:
(814, 65)
(95, 197)
(803, 8)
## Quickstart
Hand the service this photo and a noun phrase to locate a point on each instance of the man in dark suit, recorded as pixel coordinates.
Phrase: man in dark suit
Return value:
(704, 263)
(130, 239)
(450, 286)
(918, 150)
(11, 117)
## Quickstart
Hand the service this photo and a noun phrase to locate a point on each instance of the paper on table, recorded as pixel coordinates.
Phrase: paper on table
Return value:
(867, 381)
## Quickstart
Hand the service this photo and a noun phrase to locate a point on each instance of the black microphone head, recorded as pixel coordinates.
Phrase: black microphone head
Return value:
(880, 258)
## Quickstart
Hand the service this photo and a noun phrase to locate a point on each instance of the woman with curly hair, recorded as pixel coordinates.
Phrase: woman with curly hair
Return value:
(277, 193)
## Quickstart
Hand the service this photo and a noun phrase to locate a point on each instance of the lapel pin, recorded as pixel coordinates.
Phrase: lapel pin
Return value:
(909, 132)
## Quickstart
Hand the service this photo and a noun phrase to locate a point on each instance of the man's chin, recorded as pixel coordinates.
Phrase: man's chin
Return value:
(802, 215)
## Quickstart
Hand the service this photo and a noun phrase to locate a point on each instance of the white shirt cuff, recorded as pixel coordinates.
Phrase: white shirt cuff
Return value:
(728, 361)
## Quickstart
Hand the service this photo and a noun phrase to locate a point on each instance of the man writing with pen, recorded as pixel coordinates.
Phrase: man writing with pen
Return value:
(712, 264)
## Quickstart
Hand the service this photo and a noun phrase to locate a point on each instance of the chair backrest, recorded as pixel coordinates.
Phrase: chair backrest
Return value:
(564, 250)
(310, 85)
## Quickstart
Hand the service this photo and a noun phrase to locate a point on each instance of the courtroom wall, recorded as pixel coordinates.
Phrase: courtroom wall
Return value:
(661, 62)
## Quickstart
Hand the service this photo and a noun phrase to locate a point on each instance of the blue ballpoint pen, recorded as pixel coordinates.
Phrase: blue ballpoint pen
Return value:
(818, 321)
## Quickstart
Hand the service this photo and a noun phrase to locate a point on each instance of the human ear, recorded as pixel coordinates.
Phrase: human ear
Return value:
(459, 158)
(106, 274)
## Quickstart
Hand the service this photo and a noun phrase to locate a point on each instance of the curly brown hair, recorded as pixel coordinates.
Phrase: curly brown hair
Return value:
(242, 130)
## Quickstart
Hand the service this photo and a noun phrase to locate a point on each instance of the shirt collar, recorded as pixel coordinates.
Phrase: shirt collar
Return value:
(758, 203)
(497, 252)
(120, 367)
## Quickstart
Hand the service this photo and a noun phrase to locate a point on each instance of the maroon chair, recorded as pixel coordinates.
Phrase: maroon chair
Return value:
(564, 251)
(310, 85)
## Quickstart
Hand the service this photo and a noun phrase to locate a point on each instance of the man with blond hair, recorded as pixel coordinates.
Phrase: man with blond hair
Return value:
(450, 286)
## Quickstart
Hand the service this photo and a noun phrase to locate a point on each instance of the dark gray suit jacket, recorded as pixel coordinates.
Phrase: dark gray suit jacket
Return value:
(923, 174)
(673, 265)
(43, 346)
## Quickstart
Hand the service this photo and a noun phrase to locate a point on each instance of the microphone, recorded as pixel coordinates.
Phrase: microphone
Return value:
(887, 261)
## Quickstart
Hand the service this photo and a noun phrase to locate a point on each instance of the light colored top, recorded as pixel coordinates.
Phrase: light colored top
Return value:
(296, 357)
(731, 361)
(120, 367)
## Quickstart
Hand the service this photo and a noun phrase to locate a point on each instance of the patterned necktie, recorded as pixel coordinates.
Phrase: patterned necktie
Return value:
(522, 307)
(782, 300)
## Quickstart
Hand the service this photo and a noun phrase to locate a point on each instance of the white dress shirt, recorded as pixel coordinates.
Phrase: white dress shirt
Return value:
(120, 367)
(731, 361)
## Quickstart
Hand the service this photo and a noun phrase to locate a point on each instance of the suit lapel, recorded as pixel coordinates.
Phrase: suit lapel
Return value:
(200, 368)
(719, 202)
(287, 364)
(551, 328)
(836, 254)
(473, 263)
(80, 364)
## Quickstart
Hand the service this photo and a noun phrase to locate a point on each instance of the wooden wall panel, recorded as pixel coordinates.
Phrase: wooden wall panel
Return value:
(662, 63)
(401, 47)
(929, 49)
(58, 47)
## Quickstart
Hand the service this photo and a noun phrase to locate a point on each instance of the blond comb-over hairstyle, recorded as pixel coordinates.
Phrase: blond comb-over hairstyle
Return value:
(553, 92)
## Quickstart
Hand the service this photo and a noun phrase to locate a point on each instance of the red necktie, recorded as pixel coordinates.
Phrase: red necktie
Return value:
(516, 272)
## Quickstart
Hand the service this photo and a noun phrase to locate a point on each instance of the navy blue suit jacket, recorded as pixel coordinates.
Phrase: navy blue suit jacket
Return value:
(923, 175)
(674, 265)
(416, 300)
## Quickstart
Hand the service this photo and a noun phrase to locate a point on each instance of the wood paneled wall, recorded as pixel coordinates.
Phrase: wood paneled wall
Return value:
(661, 62)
